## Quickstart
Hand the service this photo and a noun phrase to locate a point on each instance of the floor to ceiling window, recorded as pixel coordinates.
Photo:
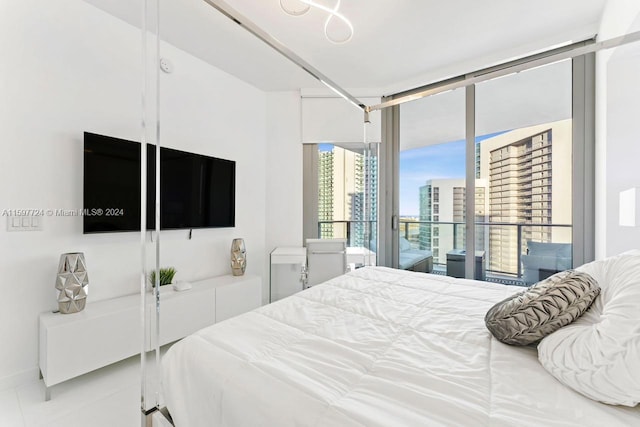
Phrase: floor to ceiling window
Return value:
(514, 139)
(347, 177)
(526, 169)
(432, 182)
(340, 175)
(341, 186)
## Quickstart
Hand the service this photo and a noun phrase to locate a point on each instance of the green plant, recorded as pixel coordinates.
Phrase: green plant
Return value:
(166, 276)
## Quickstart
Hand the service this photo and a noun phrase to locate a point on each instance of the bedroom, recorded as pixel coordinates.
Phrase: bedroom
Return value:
(76, 68)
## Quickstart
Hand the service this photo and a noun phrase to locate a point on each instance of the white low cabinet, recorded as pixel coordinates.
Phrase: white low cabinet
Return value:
(288, 272)
(232, 300)
(108, 331)
(103, 333)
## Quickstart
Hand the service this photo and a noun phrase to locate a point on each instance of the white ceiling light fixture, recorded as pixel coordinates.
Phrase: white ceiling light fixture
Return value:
(300, 7)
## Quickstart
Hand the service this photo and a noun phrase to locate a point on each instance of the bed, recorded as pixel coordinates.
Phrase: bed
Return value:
(375, 347)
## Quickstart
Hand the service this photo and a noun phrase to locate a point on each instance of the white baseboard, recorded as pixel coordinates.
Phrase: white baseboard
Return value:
(18, 379)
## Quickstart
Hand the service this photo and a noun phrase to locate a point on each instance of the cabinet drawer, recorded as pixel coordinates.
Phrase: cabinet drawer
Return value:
(182, 315)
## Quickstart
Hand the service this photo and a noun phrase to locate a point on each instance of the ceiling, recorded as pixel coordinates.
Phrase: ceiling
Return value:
(397, 45)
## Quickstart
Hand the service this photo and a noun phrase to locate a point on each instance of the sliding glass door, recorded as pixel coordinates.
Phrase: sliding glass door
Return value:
(346, 179)
(432, 185)
(514, 139)
(524, 160)
(342, 195)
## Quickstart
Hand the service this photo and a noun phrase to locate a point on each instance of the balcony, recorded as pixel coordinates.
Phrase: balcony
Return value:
(358, 233)
(503, 242)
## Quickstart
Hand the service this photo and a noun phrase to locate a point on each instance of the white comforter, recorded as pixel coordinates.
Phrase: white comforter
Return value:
(376, 347)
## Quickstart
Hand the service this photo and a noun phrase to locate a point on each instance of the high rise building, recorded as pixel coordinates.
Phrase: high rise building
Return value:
(529, 174)
(444, 201)
(524, 186)
(364, 206)
(347, 189)
(325, 193)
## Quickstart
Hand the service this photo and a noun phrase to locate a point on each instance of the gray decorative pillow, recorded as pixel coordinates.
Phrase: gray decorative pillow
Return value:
(545, 307)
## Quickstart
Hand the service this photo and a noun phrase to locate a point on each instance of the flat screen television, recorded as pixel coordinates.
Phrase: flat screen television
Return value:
(196, 191)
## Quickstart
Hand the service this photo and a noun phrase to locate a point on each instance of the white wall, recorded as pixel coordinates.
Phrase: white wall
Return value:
(67, 68)
(334, 120)
(284, 172)
(617, 134)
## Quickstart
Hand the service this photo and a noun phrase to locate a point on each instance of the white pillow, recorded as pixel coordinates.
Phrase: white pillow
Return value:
(404, 245)
(598, 355)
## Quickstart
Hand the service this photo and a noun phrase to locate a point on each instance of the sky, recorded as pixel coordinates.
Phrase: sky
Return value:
(440, 161)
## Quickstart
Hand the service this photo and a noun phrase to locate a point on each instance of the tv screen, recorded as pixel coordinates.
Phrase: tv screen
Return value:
(196, 191)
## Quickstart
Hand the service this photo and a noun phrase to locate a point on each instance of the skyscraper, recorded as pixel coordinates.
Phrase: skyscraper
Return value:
(529, 173)
(444, 201)
(347, 189)
(325, 193)
(524, 187)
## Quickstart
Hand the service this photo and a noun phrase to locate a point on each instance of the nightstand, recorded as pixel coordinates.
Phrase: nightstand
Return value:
(288, 272)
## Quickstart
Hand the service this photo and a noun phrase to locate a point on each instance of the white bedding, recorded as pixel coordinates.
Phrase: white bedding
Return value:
(376, 347)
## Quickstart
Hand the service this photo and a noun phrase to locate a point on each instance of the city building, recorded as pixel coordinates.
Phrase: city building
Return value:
(529, 175)
(442, 215)
(347, 188)
(524, 187)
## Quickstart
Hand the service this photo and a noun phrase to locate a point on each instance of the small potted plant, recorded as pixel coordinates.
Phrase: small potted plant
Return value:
(166, 276)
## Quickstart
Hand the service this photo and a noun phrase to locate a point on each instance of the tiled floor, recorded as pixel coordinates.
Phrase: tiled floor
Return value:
(108, 397)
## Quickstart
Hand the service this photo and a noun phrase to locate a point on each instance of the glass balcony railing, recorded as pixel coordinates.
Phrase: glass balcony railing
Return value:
(504, 243)
(357, 232)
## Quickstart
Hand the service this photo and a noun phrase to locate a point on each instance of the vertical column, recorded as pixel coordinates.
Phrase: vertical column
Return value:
(312, 229)
(389, 188)
(583, 167)
(470, 202)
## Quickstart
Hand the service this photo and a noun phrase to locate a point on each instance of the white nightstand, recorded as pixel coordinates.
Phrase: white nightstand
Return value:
(288, 271)
(360, 256)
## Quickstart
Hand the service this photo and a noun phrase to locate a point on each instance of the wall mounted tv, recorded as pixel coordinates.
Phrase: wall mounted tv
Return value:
(196, 191)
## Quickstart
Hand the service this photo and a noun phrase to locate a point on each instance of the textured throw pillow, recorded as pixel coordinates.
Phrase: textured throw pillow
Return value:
(545, 307)
(598, 355)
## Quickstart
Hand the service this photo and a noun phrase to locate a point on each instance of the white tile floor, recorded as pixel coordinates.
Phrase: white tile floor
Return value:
(108, 397)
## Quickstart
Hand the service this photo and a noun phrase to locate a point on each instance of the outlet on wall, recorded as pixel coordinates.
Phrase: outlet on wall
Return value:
(24, 223)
